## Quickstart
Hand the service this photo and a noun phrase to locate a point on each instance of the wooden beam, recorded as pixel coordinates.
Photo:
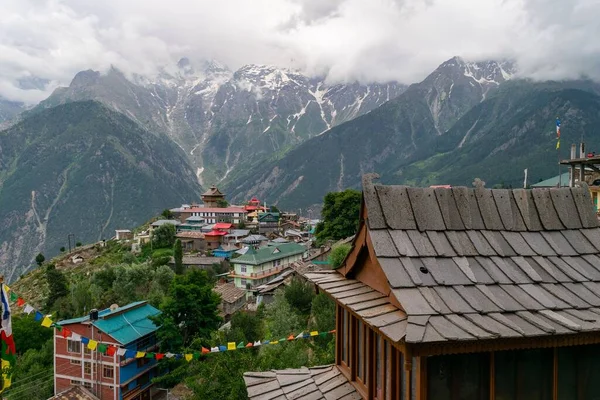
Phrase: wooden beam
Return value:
(492, 376)
(555, 376)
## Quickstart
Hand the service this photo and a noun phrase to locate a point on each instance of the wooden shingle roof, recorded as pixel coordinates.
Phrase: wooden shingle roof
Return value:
(476, 263)
(305, 383)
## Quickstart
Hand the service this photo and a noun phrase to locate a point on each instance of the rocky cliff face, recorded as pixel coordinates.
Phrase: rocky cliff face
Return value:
(82, 169)
(228, 121)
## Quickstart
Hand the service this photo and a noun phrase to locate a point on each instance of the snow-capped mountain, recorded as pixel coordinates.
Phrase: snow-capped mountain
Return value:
(226, 121)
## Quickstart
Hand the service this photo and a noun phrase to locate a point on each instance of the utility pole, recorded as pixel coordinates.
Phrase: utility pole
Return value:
(69, 238)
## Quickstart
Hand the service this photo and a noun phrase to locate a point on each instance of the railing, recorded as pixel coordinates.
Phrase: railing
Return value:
(262, 274)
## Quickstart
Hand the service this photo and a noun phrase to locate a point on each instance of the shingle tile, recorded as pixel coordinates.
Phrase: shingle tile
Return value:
(585, 323)
(566, 269)
(526, 204)
(583, 267)
(522, 263)
(562, 293)
(560, 304)
(477, 300)
(546, 277)
(434, 300)
(506, 301)
(453, 300)
(461, 243)
(498, 243)
(466, 325)
(584, 205)
(559, 329)
(448, 330)
(566, 208)
(382, 243)
(539, 295)
(481, 276)
(431, 335)
(492, 325)
(468, 208)
(395, 331)
(395, 272)
(426, 209)
(417, 271)
(375, 218)
(514, 273)
(593, 236)
(566, 321)
(480, 243)
(490, 267)
(396, 207)
(538, 244)
(580, 290)
(593, 260)
(518, 324)
(489, 211)
(546, 211)
(519, 245)
(507, 208)
(558, 242)
(445, 271)
(441, 244)
(522, 297)
(579, 242)
(465, 267)
(447, 203)
(536, 321)
(413, 302)
(551, 269)
(414, 333)
(421, 243)
(403, 244)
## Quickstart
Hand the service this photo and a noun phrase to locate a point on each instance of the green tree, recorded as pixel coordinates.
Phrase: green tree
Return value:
(189, 311)
(39, 259)
(35, 363)
(178, 257)
(244, 327)
(57, 283)
(167, 214)
(338, 254)
(29, 334)
(164, 236)
(323, 313)
(222, 203)
(281, 320)
(340, 215)
(62, 249)
(78, 244)
(299, 295)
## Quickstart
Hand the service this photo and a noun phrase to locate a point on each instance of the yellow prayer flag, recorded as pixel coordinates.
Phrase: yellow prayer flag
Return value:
(140, 354)
(189, 357)
(47, 322)
(275, 342)
(7, 288)
(558, 144)
(92, 344)
(314, 333)
(231, 346)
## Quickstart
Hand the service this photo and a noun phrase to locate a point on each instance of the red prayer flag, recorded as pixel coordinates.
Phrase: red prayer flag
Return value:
(249, 344)
(159, 356)
(20, 302)
(111, 350)
(65, 333)
(205, 350)
(332, 331)
(291, 337)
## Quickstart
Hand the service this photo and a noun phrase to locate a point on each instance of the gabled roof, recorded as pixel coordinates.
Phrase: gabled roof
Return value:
(476, 263)
(269, 253)
(76, 392)
(553, 182)
(124, 324)
(162, 222)
(222, 225)
(213, 191)
(215, 233)
(304, 383)
(229, 292)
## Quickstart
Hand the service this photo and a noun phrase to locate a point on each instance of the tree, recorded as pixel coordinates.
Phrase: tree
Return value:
(62, 249)
(338, 254)
(222, 203)
(164, 236)
(57, 284)
(299, 295)
(29, 334)
(39, 259)
(178, 256)
(167, 214)
(340, 215)
(78, 244)
(244, 327)
(189, 311)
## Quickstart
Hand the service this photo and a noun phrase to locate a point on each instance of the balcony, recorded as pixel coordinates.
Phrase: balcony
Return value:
(259, 275)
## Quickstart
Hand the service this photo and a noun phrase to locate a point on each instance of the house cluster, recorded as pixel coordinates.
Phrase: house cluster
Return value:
(460, 293)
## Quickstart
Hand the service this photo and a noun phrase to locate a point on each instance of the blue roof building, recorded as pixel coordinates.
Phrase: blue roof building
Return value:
(109, 376)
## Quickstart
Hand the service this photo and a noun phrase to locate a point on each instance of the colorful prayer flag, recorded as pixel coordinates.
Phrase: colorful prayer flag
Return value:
(85, 340)
(214, 349)
(314, 333)
(102, 348)
(111, 350)
(28, 309)
(188, 357)
(558, 144)
(13, 297)
(121, 352)
(249, 345)
(159, 356)
(205, 350)
(38, 316)
(222, 348)
(291, 337)
(149, 355)
(76, 336)
(20, 302)
(130, 354)
(231, 346)
(256, 343)
(92, 344)
(8, 350)
(46, 322)
(241, 345)
(140, 354)
(65, 333)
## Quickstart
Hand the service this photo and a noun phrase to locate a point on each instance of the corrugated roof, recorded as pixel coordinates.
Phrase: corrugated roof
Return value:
(269, 253)
(229, 292)
(472, 264)
(304, 383)
(125, 324)
(553, 182)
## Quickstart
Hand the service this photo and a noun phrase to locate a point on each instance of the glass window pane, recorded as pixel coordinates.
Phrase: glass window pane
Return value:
(462, 376)
(578, 373)
(524, 374)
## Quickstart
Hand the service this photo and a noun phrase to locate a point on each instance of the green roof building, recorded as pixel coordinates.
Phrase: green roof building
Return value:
(258, 266)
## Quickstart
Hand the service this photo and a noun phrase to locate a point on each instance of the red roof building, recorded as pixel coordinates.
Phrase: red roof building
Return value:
(214, 238)
(222, 226)
(254, 205)
(213, 215)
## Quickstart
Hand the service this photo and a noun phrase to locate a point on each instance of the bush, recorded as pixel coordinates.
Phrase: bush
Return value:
(299, 295)
(338, 254)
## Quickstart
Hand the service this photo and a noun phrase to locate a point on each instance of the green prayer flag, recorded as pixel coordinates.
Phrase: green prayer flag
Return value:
(149, 355)
(58, 327)
(196, 355)
(322, 333)
(102, 348)
(282, 340)
(13, 296)
(241, 345)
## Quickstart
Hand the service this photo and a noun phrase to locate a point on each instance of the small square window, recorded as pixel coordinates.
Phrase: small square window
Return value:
(73, 346)
(76, 362)
(108, 371)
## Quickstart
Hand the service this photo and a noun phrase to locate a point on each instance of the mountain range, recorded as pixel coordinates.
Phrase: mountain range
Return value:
(111, 149)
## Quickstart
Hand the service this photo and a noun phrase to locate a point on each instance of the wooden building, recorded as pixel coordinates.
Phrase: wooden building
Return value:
(469, 294)
(212, 197)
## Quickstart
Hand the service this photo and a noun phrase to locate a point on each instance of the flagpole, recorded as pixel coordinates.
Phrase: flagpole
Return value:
(558, 151)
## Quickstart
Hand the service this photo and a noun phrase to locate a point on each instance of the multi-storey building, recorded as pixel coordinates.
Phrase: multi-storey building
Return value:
(108, 377)
(259, 266)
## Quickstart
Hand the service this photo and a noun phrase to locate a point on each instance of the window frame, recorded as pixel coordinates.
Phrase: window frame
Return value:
(110, 369)
(73, 342)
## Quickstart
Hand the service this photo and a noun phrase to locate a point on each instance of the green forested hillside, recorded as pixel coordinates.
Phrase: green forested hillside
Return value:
(85, 170)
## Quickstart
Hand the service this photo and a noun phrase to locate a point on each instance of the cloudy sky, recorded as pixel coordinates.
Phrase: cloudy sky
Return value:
(366, 40)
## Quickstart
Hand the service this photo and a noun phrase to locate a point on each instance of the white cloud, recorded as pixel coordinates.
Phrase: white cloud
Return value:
(375, 40)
